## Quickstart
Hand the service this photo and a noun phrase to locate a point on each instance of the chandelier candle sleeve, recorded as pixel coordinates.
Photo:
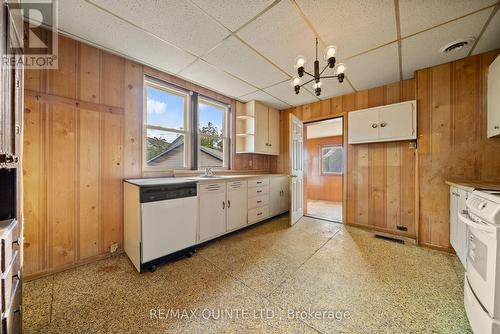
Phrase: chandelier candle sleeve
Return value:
(317, 75)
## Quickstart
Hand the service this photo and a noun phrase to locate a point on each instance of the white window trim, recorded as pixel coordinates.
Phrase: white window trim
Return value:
(226, 135)
(187, 121)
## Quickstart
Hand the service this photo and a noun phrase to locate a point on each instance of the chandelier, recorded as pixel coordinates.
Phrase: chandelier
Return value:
(329, 55)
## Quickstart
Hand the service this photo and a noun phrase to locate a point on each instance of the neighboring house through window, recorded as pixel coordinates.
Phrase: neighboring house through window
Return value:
(332, 159)
(169, 138)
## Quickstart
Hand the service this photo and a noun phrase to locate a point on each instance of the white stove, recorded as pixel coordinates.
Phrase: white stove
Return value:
(482, 278)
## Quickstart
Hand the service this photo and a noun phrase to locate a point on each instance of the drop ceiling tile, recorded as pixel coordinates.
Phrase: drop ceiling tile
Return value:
(423, 50)
(235, 57)
(85, 21)
(266, 98)
(233, 13)
(211, 77)
(281, 35)
(178, 22)
(490, 40)
(353, 26)
(416, 16)
(375, 68)
(284, 91)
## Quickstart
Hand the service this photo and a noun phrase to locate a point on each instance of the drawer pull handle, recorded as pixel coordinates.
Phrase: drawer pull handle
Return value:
(259, 182)
(259, 214)
(259, 191)
(259, 201)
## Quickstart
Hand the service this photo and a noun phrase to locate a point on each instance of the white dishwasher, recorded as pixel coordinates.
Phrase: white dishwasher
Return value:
(167, 223)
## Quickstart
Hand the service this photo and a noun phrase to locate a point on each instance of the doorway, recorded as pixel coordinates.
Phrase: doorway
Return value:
(324, 169)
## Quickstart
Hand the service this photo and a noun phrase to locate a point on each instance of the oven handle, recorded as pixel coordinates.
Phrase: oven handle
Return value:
(464, 218)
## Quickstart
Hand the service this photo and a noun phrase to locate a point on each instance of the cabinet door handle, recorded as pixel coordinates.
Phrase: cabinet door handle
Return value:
(228, 204)
(496, 127)
(223, 205)
(383, 125)
(374, 125)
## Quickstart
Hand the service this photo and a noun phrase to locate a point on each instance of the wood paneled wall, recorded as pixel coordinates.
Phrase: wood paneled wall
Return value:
(452, 138)
(390, 184)
(318, 186)
(82, 136)
(380, 179)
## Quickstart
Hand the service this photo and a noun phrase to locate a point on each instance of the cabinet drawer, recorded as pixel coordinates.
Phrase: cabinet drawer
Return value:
(258, 191)
(9, 236)
(258, 201)
(235, 185)
(261, 181)
(212, 187)
(9, 281)
(258, 214)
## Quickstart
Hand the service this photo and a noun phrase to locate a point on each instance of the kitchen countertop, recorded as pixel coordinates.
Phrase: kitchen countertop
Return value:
(193, 179)
(470, 185)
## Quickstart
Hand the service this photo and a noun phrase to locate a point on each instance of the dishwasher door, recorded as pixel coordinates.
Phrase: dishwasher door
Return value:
(168, 226)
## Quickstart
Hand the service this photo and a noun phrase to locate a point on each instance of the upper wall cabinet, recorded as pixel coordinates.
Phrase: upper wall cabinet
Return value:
(386, 123)
(257, 129)
(494, 99)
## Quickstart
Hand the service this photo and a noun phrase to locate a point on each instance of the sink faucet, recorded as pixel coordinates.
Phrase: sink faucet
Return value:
(209, 171)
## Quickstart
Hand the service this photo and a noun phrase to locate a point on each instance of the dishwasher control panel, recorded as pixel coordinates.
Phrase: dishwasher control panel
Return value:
(167, 192)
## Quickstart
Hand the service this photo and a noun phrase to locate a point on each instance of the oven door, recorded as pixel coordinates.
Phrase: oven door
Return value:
(482, 253)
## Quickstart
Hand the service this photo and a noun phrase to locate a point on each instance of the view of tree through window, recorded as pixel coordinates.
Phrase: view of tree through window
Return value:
(212, 134)
(332, 159)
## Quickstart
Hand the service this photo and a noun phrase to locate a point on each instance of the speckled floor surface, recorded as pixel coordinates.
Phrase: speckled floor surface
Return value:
(265, 279)
(325, 209)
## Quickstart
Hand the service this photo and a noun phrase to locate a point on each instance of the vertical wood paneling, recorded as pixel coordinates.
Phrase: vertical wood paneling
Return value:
(89, 183)
(111, 171)
(89, 73)
(112, 79)
(63, 81)
(61, 185)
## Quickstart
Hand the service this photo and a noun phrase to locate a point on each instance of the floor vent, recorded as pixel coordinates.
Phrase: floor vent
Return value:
(383, 237)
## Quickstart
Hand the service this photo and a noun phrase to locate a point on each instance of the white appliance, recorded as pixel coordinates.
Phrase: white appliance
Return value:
(482, 278)
(161, 218)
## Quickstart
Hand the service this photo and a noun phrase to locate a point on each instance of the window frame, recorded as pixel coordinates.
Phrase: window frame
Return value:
(191, 126)
(336, 146)
(187, 132)
(226, 131)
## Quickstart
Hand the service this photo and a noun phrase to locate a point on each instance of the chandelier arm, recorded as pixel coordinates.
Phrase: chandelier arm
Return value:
(308, 73)
(329, 76)
(305, 83)
(326, 66)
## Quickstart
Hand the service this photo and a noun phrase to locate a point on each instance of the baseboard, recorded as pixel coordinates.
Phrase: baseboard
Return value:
(384, 230)
(439, 248)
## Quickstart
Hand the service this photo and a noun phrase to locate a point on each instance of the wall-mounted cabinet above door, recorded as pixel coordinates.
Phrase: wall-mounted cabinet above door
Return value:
(392, 122)
(257, 129)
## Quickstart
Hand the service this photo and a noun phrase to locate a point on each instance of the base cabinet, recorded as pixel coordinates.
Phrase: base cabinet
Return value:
(458, 230)
(236, 214)
(212, 220)
(278, 195)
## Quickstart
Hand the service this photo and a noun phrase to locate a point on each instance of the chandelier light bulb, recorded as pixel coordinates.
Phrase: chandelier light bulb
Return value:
(341, 68)
(330, 51)
(317, 85)
(296, 81)
(300, 61)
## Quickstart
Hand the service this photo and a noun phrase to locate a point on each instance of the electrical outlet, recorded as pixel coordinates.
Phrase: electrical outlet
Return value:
(113, 248)
(250, 163)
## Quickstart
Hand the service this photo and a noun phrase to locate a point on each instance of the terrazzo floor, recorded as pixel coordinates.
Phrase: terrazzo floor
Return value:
(268, 278)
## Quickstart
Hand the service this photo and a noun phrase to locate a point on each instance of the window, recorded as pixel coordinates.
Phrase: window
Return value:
(332, 159)
(166, 128)
(183, 130)
(213, 134)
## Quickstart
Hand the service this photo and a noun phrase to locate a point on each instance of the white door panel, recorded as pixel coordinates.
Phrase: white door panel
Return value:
(297, 171)
(236, 209)
(212, 215)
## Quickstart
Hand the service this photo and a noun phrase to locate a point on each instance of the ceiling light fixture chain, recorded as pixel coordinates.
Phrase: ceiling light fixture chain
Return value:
(329, 55)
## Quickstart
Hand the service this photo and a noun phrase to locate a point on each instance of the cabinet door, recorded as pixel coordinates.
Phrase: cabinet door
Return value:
(397, 122)
(274, 131)
(461, 230)
(363, 126)
(275, 186)
(453, 217)
(212, 212)
(261, 128)
(236, 208)
(284, 203)
(494, 99)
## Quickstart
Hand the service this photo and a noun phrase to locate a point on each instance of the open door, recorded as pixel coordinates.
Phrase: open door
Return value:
(296, 169)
